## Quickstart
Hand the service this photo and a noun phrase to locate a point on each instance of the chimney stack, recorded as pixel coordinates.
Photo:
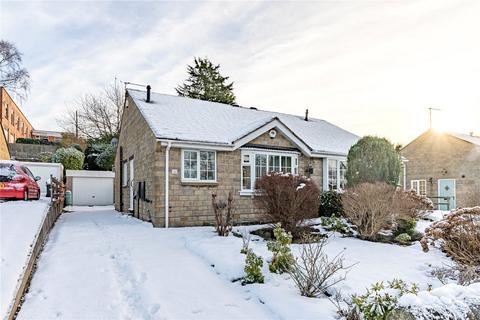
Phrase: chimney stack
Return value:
(306, 115)
(148, 93)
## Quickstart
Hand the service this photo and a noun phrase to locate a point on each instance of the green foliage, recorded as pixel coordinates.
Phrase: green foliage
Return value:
(406, 225)
(46, 157)
(282, 259)
(403, 238)
(380, 300)
(206, 83)
(330, 204)
(106, 159)
(253, 268)
(71, 158)
(373, 159)
(36, 141)
(335, 224)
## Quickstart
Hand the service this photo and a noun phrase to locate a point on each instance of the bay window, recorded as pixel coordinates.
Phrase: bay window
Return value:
(256, 164)
(198, 165)
(335, 174)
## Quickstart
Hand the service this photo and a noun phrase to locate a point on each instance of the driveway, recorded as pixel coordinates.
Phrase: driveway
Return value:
(100, 264)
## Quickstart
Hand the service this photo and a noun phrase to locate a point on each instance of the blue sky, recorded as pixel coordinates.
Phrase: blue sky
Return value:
(372, 67)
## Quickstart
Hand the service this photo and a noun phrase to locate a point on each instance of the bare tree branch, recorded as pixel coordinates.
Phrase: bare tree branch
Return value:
(12, 75)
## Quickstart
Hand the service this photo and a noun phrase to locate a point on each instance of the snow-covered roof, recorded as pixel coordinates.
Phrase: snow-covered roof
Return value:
(192, 120)
(47, 133)
(466, 137)
(90, 174)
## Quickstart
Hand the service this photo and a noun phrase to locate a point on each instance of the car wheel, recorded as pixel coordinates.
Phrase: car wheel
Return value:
(38, 195)
(25, 195)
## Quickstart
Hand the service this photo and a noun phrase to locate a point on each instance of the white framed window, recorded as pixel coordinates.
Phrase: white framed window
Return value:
(199, 165)
(420, 186)
(335, 174)
(125, 174)
(256, 164)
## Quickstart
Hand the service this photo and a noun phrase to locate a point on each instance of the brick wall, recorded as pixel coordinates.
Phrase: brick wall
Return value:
(14, 123)
(441, 156)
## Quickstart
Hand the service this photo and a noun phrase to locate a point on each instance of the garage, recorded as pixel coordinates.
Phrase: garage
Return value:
(91, 188)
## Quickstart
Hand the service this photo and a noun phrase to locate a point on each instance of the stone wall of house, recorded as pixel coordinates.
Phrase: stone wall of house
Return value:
(138, 142)
(190, 202)
(434, 156)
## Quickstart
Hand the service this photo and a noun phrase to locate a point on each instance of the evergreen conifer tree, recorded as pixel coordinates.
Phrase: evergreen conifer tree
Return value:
(206, 83)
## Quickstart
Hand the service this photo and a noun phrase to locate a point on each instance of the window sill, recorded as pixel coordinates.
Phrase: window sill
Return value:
(199, 183)
(247, 193)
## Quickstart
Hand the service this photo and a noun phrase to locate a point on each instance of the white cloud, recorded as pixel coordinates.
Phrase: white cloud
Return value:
(370, 67)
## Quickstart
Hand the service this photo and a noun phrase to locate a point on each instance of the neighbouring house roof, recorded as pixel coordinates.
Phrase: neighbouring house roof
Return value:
(47, 133)
(192, 120)
(466, 137)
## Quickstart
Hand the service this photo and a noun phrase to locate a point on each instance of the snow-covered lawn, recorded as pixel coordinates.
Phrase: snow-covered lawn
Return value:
(100, 264)
(19, 223)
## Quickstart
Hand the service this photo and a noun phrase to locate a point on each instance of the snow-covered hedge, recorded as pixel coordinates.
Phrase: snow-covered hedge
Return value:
(449, 302)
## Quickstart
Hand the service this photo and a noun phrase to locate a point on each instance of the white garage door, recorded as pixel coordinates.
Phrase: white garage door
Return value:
(92, 191)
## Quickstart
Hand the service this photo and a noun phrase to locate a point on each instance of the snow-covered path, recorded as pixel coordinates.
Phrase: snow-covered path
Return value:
(100, 264)
(19, 224)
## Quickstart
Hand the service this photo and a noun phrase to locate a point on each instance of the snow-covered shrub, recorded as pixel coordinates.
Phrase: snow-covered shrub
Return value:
(223, 214)
(287, 199)
(462, 274)
(313, 271)
(280, 247)
(330, 204)
(70, 158)
(458, 234)
(380, 300)
(403, 238)
(106, 158)
(253, 268)
(245, 242)
(335, 224)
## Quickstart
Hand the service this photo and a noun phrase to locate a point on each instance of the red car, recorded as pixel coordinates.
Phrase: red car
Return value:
(17, 182)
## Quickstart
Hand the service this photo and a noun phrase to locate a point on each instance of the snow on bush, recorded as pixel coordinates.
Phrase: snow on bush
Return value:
(450, 301)
(380, 300)
(287, 199)
(70, 158)
(331, 204)
(458, 234)
(280, 247)
(253, 269)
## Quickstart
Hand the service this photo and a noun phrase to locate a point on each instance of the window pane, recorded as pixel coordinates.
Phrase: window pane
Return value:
(246, 178)
(190, 164)
(332, 174)
(260, 165)
(286, 164)
(274, 163)
(207, 165)
(343, 173)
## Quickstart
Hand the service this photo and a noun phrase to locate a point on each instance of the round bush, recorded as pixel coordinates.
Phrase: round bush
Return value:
(403, 238)
(330, 204)
(71, 158)
(373, 159)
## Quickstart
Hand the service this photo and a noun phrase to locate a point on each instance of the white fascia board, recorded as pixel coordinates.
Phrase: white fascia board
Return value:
(196, 145)
(274, 124)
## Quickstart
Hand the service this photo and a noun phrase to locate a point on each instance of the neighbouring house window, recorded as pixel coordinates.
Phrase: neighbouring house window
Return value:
(256, 164)
(125, 174)
(336, 174)
(420, 186)
(199, 165)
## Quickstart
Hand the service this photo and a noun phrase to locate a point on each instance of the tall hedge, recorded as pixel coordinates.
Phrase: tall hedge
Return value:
(71, 158)
(373, 159)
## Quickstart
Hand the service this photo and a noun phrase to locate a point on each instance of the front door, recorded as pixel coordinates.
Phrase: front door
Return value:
(446, 192)
(131, 185)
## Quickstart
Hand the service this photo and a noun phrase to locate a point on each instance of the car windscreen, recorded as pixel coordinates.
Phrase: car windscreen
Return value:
(7, 172)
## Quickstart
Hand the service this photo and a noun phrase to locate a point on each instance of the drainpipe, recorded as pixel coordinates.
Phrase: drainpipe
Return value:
(167, 162)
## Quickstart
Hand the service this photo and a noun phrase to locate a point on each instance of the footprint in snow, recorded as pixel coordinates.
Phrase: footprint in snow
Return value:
(154, 309)
(195, 311)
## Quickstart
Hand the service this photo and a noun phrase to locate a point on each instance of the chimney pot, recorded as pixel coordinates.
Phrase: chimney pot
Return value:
(148, 93)
(306, 115)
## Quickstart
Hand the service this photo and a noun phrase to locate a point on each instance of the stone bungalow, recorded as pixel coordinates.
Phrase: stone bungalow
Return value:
(444, 167)
(174, 152)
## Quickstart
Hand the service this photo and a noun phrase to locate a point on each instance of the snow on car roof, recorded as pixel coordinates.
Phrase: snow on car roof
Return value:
(187, 119)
